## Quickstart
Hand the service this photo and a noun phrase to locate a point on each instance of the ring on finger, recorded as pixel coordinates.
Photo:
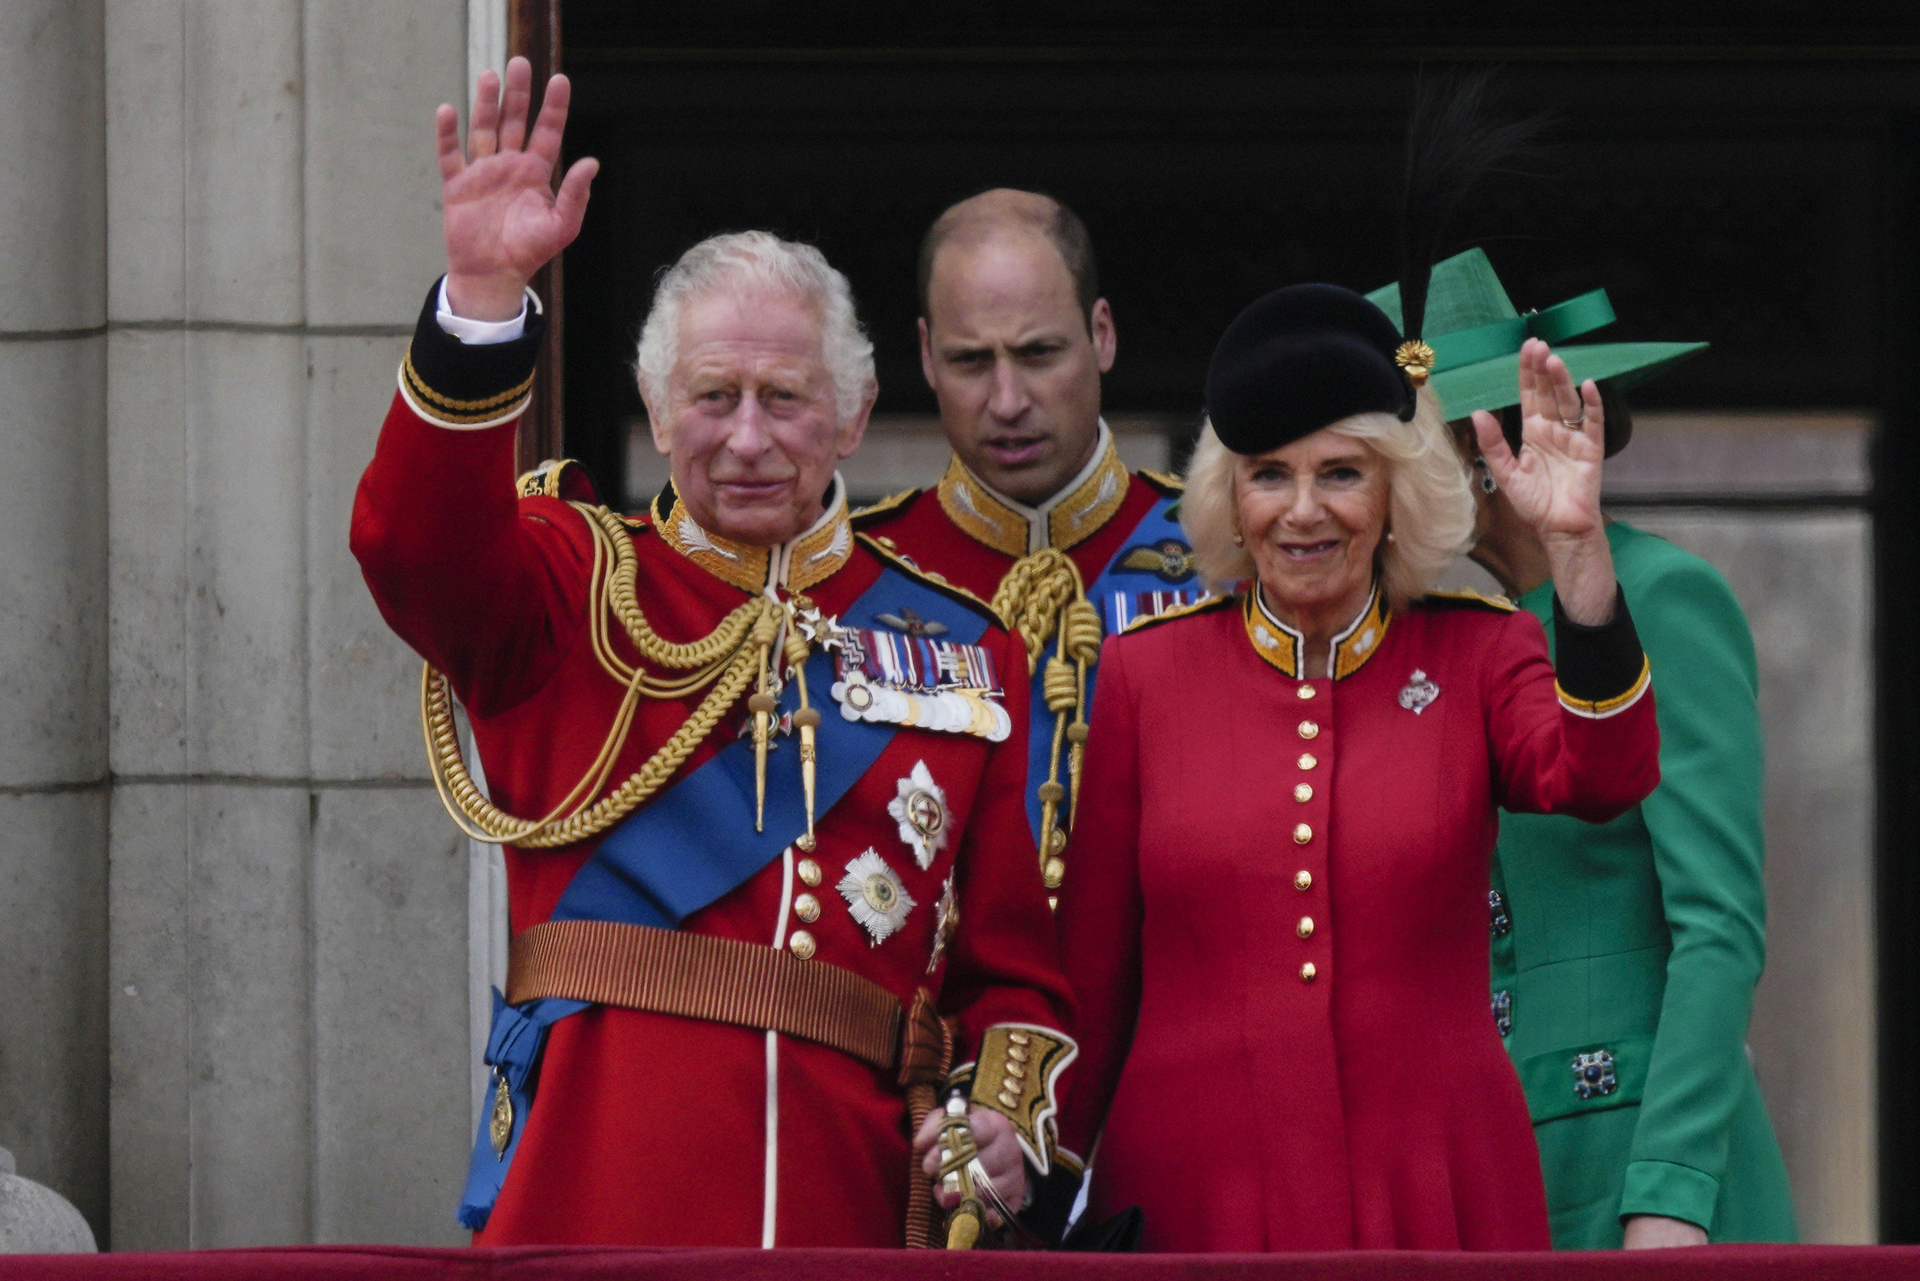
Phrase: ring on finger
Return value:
(1575, 423)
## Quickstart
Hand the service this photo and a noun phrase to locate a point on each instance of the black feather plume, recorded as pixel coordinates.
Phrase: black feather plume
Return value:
(1453, 142)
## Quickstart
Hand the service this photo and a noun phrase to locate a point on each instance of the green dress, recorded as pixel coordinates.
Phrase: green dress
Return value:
(1634, 946)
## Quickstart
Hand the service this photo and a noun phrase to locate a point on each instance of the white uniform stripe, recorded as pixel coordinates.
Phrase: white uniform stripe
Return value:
(770, 1196)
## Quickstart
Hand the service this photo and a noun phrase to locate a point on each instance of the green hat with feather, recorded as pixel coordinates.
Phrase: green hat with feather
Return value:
(1476, 332)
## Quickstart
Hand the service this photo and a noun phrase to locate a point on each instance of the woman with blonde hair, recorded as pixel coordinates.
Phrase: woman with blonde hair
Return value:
(1277, 930)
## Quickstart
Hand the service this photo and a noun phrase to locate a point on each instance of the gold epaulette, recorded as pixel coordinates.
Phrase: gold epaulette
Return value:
(883, 548)
(884, 507)
(1179, 611)
(1168, 484)
(1470, 598)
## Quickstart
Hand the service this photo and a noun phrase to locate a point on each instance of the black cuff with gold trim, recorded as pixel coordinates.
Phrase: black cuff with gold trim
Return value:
(1014, 1075)
(469, 385)
(1599, 669)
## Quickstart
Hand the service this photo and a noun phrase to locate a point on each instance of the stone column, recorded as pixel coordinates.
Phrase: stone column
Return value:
(288, 962)
(53, 709)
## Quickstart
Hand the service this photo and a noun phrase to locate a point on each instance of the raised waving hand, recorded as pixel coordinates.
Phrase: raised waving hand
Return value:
(1554, 482)
(502, 218)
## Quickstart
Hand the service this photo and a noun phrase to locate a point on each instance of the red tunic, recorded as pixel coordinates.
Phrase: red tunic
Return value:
(918, 526)
(1238, 825)
(648, 1129)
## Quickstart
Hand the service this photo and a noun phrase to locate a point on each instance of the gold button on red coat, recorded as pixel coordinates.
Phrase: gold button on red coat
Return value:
(1306, 691)
(1302, 793)
(1303, 880)
(1302, 834)
(1305, 928)
(1309, 730)
(1307, 972)
(1308, 760)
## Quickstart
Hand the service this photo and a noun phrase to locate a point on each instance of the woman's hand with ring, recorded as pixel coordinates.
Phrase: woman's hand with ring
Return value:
(1554, 483)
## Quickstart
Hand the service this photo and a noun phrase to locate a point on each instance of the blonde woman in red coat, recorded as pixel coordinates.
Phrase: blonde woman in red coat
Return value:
(1277, 926)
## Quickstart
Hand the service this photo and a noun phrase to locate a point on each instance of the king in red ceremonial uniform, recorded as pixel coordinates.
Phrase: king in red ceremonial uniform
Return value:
(759, 781)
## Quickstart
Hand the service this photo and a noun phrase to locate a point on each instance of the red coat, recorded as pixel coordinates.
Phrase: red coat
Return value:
(1239, 824)
(918, 524)
(648, 1129)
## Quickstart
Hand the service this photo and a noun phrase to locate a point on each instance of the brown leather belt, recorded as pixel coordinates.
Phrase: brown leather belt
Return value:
(698, 976)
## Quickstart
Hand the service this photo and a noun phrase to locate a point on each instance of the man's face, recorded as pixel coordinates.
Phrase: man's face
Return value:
(750, 424)
(1006, 349)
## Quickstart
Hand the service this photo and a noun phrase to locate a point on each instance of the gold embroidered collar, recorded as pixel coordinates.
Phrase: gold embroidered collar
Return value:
(1285, 648)
(813, 557)
(1067, 519)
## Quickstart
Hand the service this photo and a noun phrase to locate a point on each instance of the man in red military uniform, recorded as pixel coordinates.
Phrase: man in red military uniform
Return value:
(759, 782)
(1036, 512)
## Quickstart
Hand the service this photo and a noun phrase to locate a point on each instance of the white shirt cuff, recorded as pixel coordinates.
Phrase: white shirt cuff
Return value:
(478, 333)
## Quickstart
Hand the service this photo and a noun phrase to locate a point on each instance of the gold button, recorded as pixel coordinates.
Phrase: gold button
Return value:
(1308, 760)
(1305, 691)
(1008, 1099)
(802, 945)
(1309, 730)
(1302, 834)
(1018, 1037)
(1302, 793)
(1019, 1053)
(1305, 928)
(809, 872)
(807, 908)
(1307, 972)
(1015, 1070)
(1303, 880)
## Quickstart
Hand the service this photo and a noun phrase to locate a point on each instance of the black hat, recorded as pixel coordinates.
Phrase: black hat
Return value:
(1300, 359)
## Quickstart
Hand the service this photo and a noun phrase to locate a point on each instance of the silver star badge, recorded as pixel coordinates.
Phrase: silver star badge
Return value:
(920, 808)
(946, 921)
(875, 896)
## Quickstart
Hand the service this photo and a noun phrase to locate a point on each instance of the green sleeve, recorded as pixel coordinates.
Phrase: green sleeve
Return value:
(1708, 845)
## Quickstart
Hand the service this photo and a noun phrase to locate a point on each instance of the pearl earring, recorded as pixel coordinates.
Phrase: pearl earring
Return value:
(1239, 540)
(1389, 536)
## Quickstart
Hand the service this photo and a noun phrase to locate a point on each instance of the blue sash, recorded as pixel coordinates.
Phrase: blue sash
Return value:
(1116, 593)
(692, 845)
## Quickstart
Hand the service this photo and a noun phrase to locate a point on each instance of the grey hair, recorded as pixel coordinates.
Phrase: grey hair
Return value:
(758, 258)
(1429, 502)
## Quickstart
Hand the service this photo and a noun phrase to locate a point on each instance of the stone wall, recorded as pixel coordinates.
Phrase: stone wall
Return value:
(287, 902)
(216, 224)
(53, 598)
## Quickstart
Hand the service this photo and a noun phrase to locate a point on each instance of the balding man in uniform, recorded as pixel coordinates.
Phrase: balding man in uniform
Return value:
(1036, 513)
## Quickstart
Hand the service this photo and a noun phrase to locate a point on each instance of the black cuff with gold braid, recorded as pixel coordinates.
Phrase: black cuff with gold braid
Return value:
(1014, 1075)
(459, 384)
(1600, 671)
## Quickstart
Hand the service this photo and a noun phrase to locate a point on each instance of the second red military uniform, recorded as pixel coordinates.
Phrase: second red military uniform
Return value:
(1277, 928)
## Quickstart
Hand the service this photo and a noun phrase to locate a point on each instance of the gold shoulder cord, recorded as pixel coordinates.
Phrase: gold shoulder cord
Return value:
(728, 658)
(1044, 596)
